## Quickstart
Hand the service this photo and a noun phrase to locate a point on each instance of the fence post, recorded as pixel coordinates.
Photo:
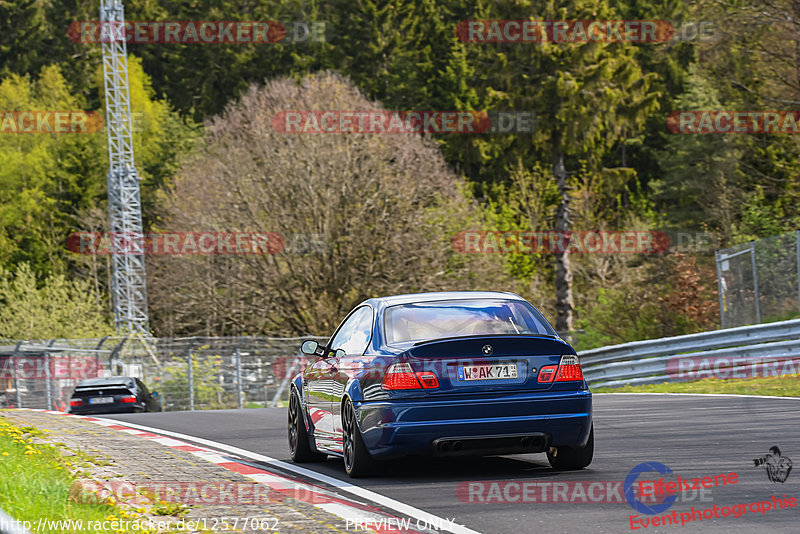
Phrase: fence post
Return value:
(755, 280)
(48, 381)
(190, 376)
(96, 358)
(14, 364)
(239, 397)
(719, 291)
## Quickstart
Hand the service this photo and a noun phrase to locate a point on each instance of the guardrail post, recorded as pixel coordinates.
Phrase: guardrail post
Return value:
(755, 280)
(719, 291)
(239, 396)
(190, 376)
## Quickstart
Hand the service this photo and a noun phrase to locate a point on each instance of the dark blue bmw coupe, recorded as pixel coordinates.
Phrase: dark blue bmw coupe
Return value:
(460, 373)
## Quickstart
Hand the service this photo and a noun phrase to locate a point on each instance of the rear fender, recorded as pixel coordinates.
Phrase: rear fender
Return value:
(297, 385)
(353, 392)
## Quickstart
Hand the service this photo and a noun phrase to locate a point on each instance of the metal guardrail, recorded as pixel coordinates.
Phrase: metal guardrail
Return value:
(198, 373)
(771, 349)
(188, 373)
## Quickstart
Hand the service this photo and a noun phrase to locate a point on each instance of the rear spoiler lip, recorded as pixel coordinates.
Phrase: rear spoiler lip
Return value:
(475, 336)
(89, 388)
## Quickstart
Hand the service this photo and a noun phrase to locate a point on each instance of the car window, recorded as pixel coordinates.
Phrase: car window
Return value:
(432, 320)
(142, 387)
(355, 333)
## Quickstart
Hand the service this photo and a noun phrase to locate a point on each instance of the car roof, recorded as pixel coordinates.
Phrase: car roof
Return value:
(110, 381)
(442, 295)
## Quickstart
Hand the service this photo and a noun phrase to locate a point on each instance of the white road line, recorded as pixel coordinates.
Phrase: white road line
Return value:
(397, 506)
(703, 395)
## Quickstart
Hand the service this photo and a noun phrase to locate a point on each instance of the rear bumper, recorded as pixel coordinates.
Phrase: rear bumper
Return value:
(401, 427)
(115, 408)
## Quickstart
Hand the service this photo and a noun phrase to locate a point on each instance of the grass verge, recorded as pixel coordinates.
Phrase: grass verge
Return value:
(35, 479)
(773, 386)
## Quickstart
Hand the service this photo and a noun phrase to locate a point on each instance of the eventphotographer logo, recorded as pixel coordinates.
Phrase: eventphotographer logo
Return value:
(778, 467)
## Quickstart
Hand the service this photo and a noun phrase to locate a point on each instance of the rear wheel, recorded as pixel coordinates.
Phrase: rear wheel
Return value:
(568, 458)
(357, 460)
(298, 435)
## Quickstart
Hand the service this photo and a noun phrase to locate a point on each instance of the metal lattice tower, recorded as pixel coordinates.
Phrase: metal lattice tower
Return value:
(128, 285)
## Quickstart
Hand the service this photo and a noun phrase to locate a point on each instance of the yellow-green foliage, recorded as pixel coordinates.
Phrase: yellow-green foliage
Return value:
(57, 308)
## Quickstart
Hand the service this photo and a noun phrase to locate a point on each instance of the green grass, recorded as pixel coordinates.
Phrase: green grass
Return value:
(35, 479)
(776, 386)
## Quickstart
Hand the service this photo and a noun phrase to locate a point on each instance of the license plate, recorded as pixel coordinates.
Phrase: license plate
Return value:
(487, 372)
(101, 400)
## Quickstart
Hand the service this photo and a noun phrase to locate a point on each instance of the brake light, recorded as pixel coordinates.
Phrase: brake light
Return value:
(547, 373)
(569, 370)
(75, 402)
(428, 380)
(127, 399)
(400, 376)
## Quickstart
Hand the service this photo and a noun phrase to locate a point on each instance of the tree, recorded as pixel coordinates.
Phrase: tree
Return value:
(382, 207)
(45, 177)
(696, 164)
(761, 72)
(49, 181)
(56, 308)
(587, 96)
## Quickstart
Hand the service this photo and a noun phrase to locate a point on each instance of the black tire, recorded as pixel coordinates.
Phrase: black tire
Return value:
(569, 458)
(357, 460)
(298, 435)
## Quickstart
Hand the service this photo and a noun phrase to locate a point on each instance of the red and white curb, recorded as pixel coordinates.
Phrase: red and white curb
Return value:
(357, 514)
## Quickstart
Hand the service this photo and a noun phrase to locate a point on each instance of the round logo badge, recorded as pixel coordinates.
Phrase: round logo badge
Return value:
(630, 484)
(487, 349)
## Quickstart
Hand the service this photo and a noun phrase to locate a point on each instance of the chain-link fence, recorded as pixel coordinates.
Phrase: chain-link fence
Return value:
(758, 281)
(195, 373)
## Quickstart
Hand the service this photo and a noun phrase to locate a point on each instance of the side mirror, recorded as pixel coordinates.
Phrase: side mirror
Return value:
(309, 347)
(339, 353)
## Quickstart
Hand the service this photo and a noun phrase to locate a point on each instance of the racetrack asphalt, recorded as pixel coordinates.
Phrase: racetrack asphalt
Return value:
(695, 436)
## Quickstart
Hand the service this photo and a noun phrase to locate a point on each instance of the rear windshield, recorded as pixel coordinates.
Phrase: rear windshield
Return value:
(454, 318)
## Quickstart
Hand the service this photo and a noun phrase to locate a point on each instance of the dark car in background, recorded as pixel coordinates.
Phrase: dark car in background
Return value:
(442, 374)
(116, 394)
